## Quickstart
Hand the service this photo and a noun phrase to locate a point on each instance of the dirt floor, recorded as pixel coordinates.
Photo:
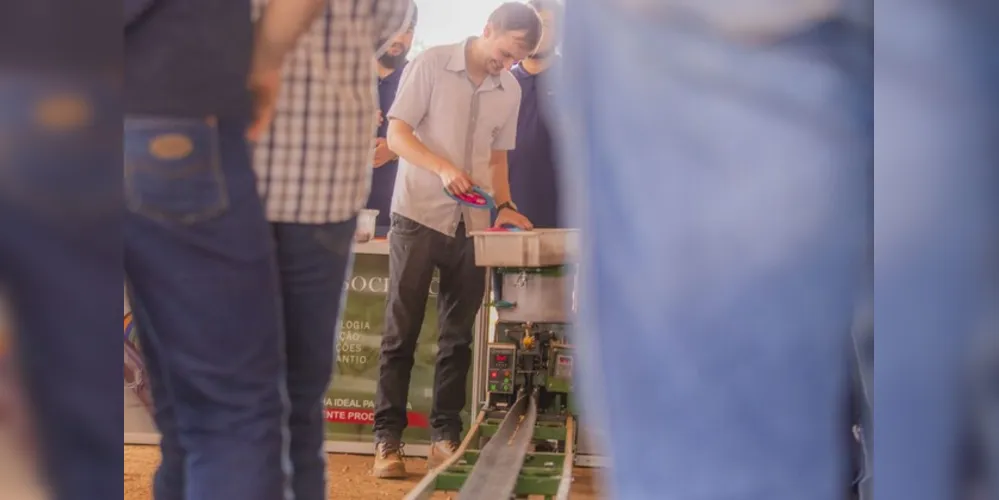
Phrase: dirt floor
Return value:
(349, 478)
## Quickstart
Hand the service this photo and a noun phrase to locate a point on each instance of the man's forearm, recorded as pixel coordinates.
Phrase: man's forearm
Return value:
(403, 142)
(279, 27)
(501, 183)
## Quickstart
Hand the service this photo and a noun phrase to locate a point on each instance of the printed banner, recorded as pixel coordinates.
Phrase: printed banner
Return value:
(350, 401)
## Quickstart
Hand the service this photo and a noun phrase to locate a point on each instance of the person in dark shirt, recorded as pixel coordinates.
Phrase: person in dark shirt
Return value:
(198, 252)
(386, 163)
(533, 179)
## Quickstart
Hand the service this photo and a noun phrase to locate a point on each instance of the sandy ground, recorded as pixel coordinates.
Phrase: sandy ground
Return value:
(349, 478)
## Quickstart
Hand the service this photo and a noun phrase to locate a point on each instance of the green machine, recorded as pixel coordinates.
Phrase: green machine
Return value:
(526, 356)
(522, 442)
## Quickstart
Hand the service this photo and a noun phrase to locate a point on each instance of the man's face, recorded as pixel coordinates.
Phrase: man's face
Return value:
(397, 51)
(503, 50)
(549, 35)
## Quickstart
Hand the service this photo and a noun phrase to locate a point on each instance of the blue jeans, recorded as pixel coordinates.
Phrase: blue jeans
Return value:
(60, 261)
(937, 199)
(739, 296)
(199, 258)
(730, 217)
(314, 263)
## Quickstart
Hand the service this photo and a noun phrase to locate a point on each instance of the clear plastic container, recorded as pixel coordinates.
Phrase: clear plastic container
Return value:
(537, 297)
(537, 248)
(365, 225)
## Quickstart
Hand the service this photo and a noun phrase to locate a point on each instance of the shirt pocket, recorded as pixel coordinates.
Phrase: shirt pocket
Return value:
(173, 170)
(488, 130)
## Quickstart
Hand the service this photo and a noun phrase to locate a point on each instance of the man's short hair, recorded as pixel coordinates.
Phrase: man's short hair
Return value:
(553, 6)
(516, 16)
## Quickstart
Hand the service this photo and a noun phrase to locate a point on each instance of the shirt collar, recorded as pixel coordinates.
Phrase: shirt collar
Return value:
(457, 63)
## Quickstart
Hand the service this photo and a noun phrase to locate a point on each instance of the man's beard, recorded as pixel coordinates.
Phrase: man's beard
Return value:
(393, 61)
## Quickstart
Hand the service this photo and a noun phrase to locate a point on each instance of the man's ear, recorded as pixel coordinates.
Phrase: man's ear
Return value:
(487, 31)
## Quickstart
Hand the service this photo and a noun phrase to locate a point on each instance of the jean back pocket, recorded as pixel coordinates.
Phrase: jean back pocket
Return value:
(173, 169)
(59, 149)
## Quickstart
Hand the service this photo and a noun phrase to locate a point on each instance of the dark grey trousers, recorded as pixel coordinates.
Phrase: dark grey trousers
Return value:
(414, 252)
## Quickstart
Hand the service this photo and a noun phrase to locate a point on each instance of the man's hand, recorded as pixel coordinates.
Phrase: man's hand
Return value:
(264, 87)
(276, 32)
(379, 118)
(455, 179)
(511, 217)
(383, 154)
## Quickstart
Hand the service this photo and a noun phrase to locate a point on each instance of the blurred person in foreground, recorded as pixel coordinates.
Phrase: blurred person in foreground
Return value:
(60, 242)
(314, 168)
(936, 272)
(199, 254)
(747, 143)
(723, 192)
(389, 66)
(452, 123)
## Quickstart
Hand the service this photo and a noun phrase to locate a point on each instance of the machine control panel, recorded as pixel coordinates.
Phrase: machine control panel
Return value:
(563, 366)
(560, 368)
(501, 367)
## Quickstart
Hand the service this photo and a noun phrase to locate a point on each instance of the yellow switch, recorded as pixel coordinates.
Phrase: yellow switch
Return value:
(528, 342)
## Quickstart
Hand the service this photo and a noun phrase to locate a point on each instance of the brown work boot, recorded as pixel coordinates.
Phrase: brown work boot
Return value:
(440, 452)
(388, 461)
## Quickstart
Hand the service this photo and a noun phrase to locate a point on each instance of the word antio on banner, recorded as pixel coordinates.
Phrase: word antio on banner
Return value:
(379, 284)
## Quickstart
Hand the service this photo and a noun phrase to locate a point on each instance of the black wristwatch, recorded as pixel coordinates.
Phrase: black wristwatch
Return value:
(506, 204)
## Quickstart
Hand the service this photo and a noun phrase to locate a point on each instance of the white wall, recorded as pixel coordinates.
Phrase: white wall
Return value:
(449, 21)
